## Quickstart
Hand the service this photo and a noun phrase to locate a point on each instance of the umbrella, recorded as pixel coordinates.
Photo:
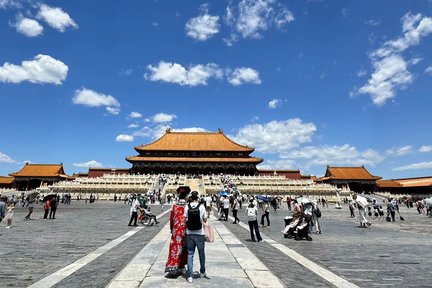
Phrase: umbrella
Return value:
(223, 193)
(48, 197)
(428, 202)
(32, 195)
(304, 200)
(263, 198)
(182, 189)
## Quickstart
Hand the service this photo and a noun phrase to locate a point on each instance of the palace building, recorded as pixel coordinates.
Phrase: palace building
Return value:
(32, 176)
(194, 153)
(358, 179)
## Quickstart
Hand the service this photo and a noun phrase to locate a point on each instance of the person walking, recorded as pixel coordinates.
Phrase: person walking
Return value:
(46, 207)
(316, 214)
(351, 208)
(361, 205)
(265, 212)
(177, 256)
(235, 208)
(134, 211)
(10, 210)
(2, 208)
(225, 208)
(391, 209)
(252, 214)
(53, 205)
(196, 216)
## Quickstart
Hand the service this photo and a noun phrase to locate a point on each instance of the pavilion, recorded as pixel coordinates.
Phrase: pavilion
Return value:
(194, 153)
(418, 186)
(358, 179)
(6, 182)
(32, 176)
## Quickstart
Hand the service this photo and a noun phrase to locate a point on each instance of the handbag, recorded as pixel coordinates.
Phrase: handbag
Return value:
(209, 233)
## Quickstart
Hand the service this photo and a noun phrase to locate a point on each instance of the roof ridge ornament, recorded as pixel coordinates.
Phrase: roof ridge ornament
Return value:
(220, 131)
(168, 130)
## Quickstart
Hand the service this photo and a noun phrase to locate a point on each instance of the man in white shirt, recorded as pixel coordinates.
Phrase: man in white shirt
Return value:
(225, 206)
(196, 216)
(134, 211)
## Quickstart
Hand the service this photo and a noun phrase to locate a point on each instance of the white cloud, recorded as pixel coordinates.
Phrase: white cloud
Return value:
(91, 163)
(163, 118)
(176, 73)
(244, 75)
(5, 158)
(28, 27)
(425, 149)
(124, 138)
(133, 125)
(113, 110)
(275, 136)
(202, 27)
(189, 129)
(92, 98)
(372, 22)
(399, 151)
(5, 4)
(390, 74)
(135, 115)
(274, 103)
(56, 17)
(251, 17)
(42, 69)
(159, 130)
(415, 166)
(334, 155)
(429, 70)
(361, 73)
(391, 71)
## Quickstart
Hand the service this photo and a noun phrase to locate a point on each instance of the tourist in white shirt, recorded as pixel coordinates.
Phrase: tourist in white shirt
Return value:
(196, 216)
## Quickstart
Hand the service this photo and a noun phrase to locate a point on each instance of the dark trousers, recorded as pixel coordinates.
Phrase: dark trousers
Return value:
(253, 226)
(52, 213)
(30, 209)
(266, 215)
(236, 219)
(226, 214)
(393, 214)
(352, 213)
(46, 213)
(134, 217)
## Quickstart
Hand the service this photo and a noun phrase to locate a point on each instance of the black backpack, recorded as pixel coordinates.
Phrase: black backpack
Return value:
(194, 219)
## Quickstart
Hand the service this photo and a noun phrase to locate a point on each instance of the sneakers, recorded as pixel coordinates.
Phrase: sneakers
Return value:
(189, 279)
(204, 275)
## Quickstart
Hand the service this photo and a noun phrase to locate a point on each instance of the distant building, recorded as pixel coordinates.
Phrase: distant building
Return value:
(418, 186)
(6, 182)
(194, 153)
(32, 176)
(99, 172)
(358, 179)
(289, 174)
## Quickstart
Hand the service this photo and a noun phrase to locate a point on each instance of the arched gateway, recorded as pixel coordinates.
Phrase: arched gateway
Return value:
(194, 153)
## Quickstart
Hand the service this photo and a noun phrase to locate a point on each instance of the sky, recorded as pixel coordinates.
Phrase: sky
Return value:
(306, 83)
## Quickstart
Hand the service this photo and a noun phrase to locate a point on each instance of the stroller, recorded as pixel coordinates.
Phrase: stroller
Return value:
(301, 229)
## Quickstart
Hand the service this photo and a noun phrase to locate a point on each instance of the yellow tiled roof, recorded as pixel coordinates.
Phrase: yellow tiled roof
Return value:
(193, 159)
(194, 141)
(349, 173)
(40, 170)
(6, 180)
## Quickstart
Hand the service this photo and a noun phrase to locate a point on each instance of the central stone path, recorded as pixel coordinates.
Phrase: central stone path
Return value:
(228, 262)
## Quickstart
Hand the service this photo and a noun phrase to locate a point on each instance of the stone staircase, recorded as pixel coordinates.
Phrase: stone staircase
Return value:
(196, 185)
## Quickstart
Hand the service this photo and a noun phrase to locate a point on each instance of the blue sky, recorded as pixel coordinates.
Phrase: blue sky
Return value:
(307, 83)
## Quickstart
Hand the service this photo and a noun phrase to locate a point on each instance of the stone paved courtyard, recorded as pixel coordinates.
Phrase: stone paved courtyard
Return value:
(95, 242)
